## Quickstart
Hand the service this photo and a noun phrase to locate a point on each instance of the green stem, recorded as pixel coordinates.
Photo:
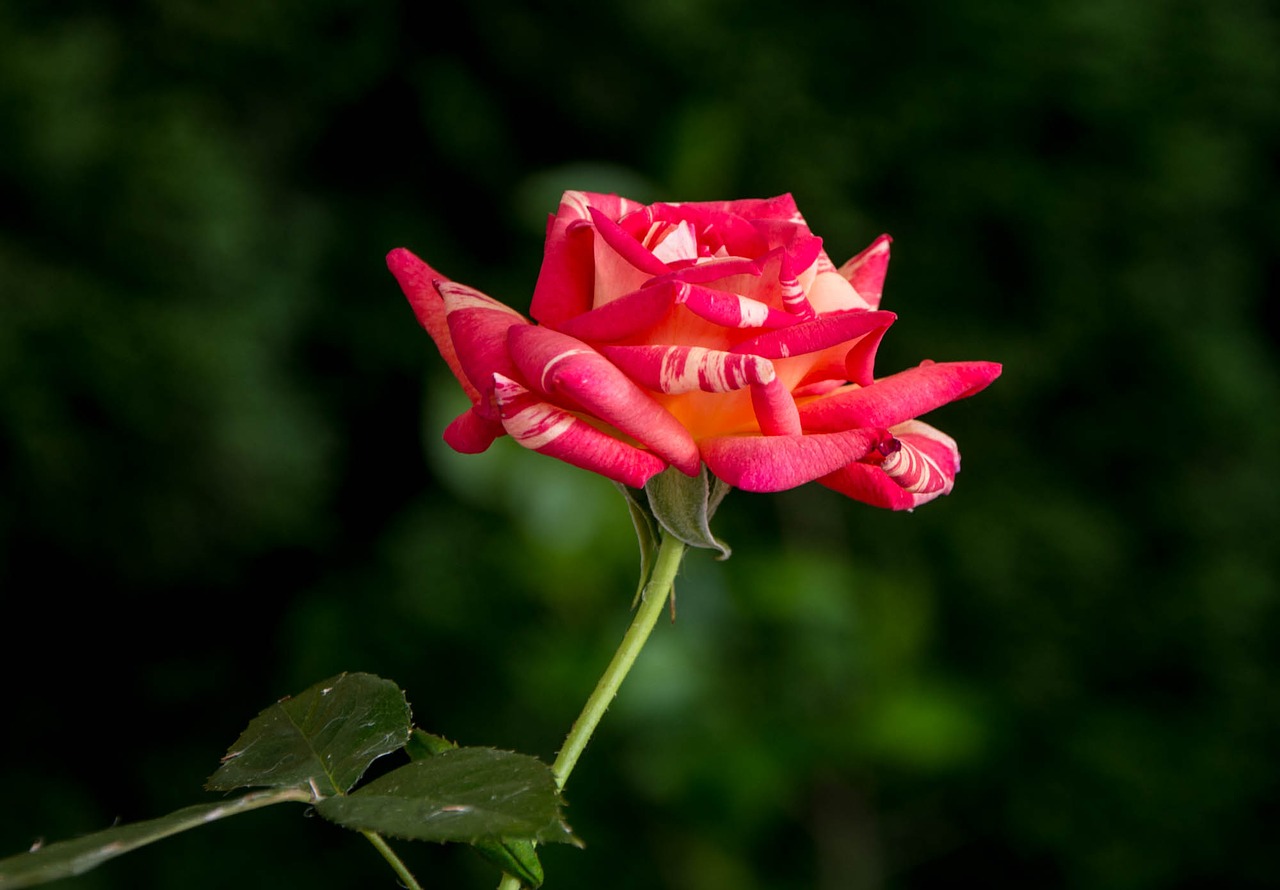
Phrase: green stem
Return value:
(651, 606)
(396, 864)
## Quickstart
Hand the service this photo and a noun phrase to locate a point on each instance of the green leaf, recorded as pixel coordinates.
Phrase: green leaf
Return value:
(514, 856)
(65, 859)
(517, 858)
(324, 738)
(646, 534)
(466, 795)
(683, 506)
(423, 744)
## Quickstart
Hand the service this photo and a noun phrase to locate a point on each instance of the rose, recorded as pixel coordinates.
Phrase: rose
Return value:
(677, 334)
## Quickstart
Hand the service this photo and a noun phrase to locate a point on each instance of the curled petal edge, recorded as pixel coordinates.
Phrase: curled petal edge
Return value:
(418, 281)
(555, 432)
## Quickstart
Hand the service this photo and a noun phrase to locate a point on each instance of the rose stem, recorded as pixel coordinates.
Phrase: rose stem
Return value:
(651, 604)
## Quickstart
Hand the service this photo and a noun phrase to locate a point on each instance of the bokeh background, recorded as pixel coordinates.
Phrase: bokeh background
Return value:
(223, 479)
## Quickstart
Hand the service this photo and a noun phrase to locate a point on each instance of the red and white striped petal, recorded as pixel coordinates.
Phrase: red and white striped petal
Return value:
(550, 430)
(817, 334)
(793, 266)
(897, 398)
(417, 280)
(923, 467)
(926, 461)
(478, 328)
(776, 463)
(554, 363)
(866, 271)
(680, 369)
(730, 310)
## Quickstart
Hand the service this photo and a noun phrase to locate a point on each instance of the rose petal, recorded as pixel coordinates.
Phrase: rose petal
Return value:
(680, 369)
(471, 432)
(871, 485)
(775, 409)
(820, 333)
(859, 362)
(926, 461)
(776, 463)
(795, 263)
(622, 264)
(566, 282)
(555, 363)
(478, 328)
(547, 429)
(866, 271)
(627, 316)
(829, 292)
(721, 271)
(730, 310)
(417, 280)
(898, 397)
(923, 467)
(671, 243)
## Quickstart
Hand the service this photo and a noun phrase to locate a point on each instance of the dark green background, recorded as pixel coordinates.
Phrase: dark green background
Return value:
(223, 480)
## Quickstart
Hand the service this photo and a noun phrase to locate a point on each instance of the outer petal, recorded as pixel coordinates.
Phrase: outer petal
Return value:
(478, 328)
(871, 485)
(781, 207)
(417, 280)
(923, 468)
(555, 363)
(898, 397)
(776, 463)
(566, 282)
(552, 431)
(472, 432)
(866, 271)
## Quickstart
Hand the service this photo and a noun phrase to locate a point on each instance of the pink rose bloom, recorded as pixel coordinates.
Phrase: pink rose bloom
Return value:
(678, 334)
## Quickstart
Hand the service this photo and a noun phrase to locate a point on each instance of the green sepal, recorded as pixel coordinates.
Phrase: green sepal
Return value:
(683, 506)
(646, 534)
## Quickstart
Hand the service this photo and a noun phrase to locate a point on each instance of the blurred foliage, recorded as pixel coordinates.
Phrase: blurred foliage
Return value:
(219, 428)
